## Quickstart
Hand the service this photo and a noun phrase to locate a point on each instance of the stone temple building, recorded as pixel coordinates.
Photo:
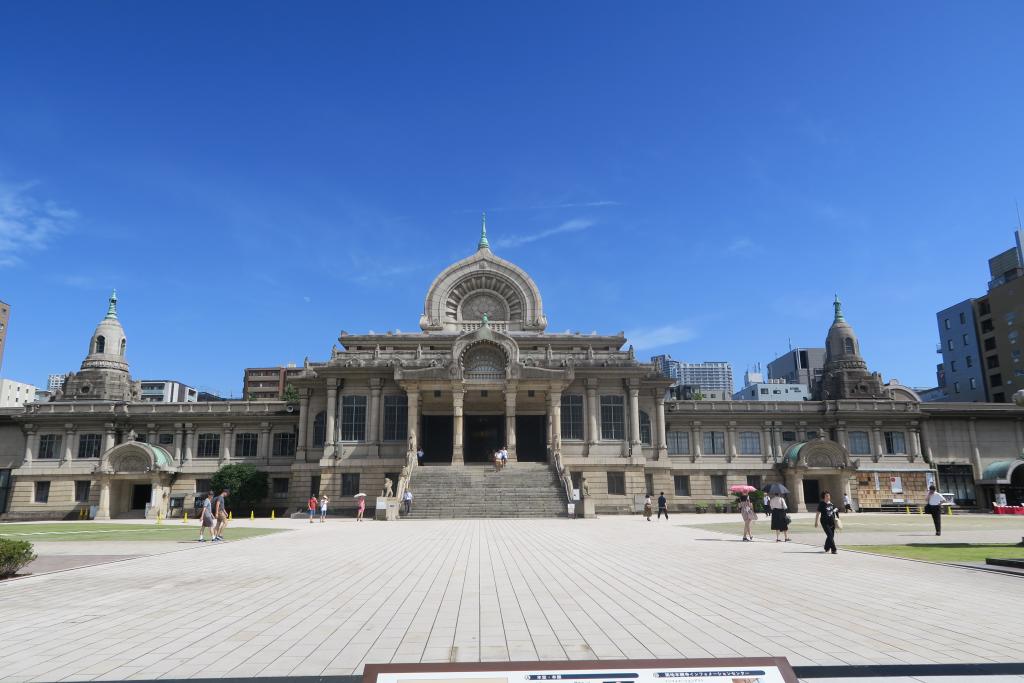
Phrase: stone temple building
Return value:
(577, 412)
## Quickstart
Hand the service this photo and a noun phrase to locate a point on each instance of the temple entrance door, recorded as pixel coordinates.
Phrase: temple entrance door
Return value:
(531, 441)
(141, 495)
(812, 494)
(436, 438)
(484, 435)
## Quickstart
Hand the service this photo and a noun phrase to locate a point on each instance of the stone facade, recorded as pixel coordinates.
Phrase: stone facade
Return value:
(483, 373)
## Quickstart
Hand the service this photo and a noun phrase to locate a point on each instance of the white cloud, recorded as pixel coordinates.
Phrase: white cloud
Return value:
(574, 225)
(658, 337)
(27, 223)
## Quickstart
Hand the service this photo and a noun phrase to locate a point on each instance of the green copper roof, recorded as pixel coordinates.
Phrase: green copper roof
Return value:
(483, 244)
(1000, 469)
(793, 452)
(112, 308)
(839, 310)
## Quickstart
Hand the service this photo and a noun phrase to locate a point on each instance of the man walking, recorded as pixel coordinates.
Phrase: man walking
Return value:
(827, 514)
(419, 456)
(934, 508)
(206, 517)
(220, 513)
(767, 505)
(407, 501)
(662, 505)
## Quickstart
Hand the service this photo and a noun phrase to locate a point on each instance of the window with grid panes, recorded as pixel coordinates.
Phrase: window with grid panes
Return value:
(246, 444)
(49, 446)
(320, 429)
(89, 445)
(714, 443)
(209, 445)
(894, 443)
(682, 484)
(353, 418)
(284, 444)
(860, 443)
(645, 428)
(396, 417)
(750, 443)
(349, 483)
(280, 486)
(572, 416)
(42, 492)
(617, 483)
(678, 443)
(82, 491)
(613, 425)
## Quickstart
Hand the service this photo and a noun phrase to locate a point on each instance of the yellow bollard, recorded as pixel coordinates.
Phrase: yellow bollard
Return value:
(184, 520)
(273, 513)
(252, 515)
(908, 509)
(920, 510)
(158, 520)
(230, 516)
(949, 510)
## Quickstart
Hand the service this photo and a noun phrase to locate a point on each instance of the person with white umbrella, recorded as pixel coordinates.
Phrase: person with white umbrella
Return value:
(361, 497)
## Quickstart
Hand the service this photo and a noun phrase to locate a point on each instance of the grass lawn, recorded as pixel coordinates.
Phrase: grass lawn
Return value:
(946, 552)
(90, 531)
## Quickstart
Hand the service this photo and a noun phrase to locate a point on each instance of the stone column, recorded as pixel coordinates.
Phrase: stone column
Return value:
(457, 396)
(103, 509)
(556, 420)
(766, 442)
(151, 434)
(510, 422)
(795, 483)
(69, 440)
(300, 452)
(332, 410)
(698, 442)
(109, 434)
(373, 429)
(593, 410)
(179, 442)
(31, 443)
(915, 442)
(777, 441)
(1020, 436)
(634, 418)
(841, 435)
(227, 433)
(190, 438)
(412, 398)
(264, 445)
(975, 452)
(879, 442)
(660, 438)
(730, 448)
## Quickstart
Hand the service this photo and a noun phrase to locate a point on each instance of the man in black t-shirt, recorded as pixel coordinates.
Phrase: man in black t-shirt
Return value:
(827, 514)
(662, 505)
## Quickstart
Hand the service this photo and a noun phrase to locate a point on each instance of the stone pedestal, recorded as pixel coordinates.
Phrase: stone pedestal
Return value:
(587, 508)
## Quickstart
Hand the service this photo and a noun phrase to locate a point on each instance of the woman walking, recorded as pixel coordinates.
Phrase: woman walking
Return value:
(361, 508)
(827, 514)
(323, 508)
(748, 515)
(780, 518)
(648, 508)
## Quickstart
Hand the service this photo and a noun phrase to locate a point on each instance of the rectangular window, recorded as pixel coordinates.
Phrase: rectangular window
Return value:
(1015, 355)
(789, 436)
(679, 443)
(969, 361)
(617, 483)
(49, 447)
(947, 323)
(314, 485)
(714, 443)
(965, 340)
(165, 439)
(42, 493)
(949, 344)
(682, 484)
(754, 480)
(990, 344)
(204, 485)
(894, 443)
(992, 362)
(860, 443)
(717, 484)
(280, 488)
(82, 491)
(973, 383)
(764, 391)
(984, 308)
(952, 366)
(246, 444)
(396, 417)
(284, 445)
(645, 428)
(209, 446)
(649, 484)
(613, 424)
(999, 397)
(349, 483)
(813, 434)
(956, 387)
(996, 380)
(986, 326)
(353, 418)
(89, 445)
(963, 318)
(750, 443)
(572, 416)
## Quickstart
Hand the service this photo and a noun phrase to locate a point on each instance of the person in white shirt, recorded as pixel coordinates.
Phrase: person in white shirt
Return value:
(780, 516)
(847, 505)
(407, 501)
(934, 507)
(504, 456)
(767, 505)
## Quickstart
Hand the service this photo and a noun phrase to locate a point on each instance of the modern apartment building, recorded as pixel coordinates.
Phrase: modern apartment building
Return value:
(666, 366)
(55, 383)
(798, 366)
(961, 375)
(710, 375)
(167, 391)
(756, 389)
(14, 394)
(5, 318)
(268, 384)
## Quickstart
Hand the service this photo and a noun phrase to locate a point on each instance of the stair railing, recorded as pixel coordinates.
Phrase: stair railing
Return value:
(563, 474)
(406, 476)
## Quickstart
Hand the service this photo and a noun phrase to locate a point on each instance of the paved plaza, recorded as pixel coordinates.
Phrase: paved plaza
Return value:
(328, 598)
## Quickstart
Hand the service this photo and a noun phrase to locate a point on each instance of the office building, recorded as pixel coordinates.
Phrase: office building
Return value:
(961, 375)
(756, 389)
(14, 394)
(166, 391)
(55, 383)
(798, 366)
(707, 376)
(268, 384)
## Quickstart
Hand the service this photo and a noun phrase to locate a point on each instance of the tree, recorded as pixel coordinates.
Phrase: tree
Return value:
(246, 486)
(697, 395)
(291, 394)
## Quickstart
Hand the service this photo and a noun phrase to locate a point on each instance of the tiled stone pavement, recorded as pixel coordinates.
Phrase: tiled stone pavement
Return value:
(325, 599)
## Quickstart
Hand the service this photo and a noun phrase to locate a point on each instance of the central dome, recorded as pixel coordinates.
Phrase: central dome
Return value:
(483, 286)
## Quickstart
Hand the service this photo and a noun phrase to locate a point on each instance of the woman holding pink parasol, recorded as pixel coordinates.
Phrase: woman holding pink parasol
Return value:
(746, 509)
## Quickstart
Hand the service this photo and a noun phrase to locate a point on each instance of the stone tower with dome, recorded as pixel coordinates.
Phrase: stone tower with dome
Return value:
(104, 374)
(845, 374)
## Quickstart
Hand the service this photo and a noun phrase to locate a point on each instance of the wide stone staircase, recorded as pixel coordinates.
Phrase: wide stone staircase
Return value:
(474, 491)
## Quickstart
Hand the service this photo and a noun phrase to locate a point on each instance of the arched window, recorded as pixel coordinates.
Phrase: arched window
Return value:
(101, 344)
(319, 429)
(645, 428)
(848, 345)
(485, 362)
(124, 343)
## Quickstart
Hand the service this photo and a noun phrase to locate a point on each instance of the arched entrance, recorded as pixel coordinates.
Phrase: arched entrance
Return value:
(813, 467)
(135, 481)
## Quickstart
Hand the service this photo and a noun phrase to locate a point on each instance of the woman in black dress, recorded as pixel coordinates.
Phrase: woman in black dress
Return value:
(780, 518)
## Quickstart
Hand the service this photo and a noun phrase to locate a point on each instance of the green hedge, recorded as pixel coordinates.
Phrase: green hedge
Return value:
(13, 556)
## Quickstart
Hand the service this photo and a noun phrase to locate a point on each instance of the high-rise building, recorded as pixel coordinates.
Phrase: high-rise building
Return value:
(167, 391)
(709, 375)
(55, 383)
(979, 339)
(666, 366)
(798, 366)
(5, 318)
(13, 394)
(267, 384)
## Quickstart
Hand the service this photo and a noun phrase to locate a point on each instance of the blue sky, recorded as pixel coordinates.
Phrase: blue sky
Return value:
(256, 177)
